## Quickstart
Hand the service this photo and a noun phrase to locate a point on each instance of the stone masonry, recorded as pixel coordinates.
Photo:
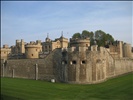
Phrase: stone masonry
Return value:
(79, 63)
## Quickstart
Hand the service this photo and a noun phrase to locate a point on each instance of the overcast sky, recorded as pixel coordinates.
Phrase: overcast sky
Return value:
(32, 20)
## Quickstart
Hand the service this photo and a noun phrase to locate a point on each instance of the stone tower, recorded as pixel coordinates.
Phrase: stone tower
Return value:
(19, 48)
(116, 49)
(22, 46)
(127, 50)
(33, 49)
(120, 48)
(83, 64)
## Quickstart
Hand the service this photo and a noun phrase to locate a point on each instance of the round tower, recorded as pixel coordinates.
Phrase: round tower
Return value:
(32, 50)
(127, 50)
(80, 42)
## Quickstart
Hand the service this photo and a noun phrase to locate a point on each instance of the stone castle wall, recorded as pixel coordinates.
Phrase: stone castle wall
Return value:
(123, 65)
(86, 67)
(25, 68)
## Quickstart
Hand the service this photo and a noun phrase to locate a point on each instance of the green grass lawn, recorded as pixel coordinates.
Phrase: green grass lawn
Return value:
(120, 88)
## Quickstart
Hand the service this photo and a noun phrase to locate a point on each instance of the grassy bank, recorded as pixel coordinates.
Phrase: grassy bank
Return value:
(120, 88)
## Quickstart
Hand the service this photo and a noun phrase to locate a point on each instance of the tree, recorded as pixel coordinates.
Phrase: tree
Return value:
(99, 34)
(101, 37)
(76, 35)
(109, 38)
(86, 33)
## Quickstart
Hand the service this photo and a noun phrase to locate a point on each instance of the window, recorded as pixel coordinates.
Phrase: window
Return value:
(73, 62)
(65, 62)
(49, 46)
(83, 62)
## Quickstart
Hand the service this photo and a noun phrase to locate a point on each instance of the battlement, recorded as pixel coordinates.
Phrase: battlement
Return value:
(38, 41)
(83, 42)
(5, 51)
(19, 41)
(34, 44)
(5, 46)
(92, 48)
(80, 40)
(115, 43)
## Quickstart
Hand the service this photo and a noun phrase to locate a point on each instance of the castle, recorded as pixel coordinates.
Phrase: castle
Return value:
(72, 62)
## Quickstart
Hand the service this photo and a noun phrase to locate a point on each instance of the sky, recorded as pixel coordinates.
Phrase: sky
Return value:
(32, 20)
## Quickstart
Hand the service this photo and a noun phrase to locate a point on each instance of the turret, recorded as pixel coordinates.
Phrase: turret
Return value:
(63, 41)
(47, 39)
(32, 50)
(127, 50)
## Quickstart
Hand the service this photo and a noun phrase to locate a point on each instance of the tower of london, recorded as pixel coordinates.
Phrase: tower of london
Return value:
(70, 61)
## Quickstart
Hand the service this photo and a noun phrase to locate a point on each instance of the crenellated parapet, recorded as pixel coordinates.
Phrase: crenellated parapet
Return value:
(118, 49)
(83, 42)
(92, 48)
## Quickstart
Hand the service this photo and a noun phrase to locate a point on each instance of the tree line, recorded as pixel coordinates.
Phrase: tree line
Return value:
(99, 36)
